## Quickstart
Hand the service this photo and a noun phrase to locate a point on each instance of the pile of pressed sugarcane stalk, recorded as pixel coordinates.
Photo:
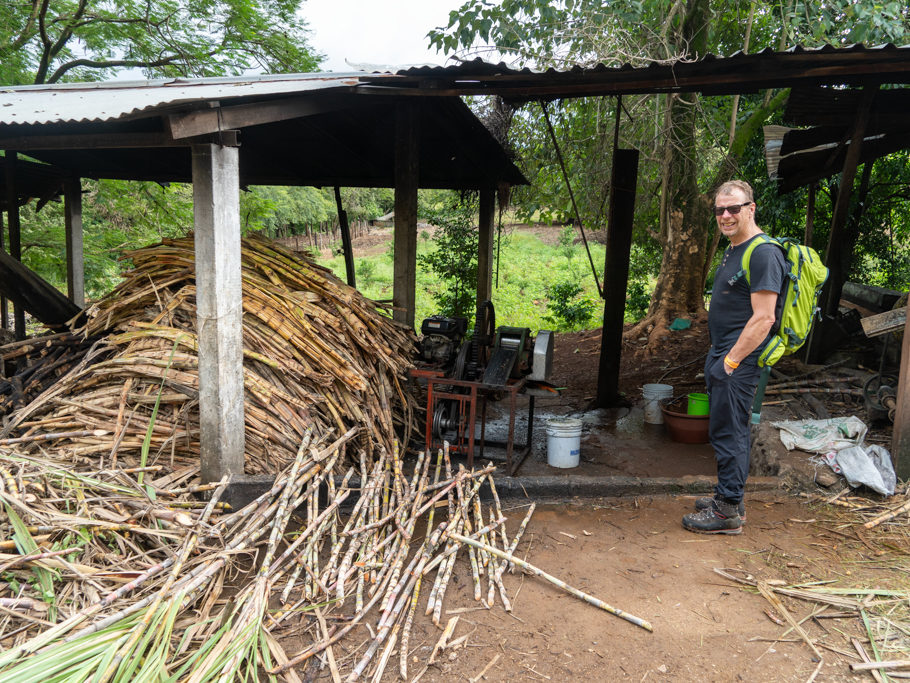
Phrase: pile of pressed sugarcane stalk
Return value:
(893, 511)
(123, 575)
(317, 356)
(30, 366)
(119, 573)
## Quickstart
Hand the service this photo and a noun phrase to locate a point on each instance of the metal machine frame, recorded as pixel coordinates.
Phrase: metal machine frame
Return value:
(437, 384)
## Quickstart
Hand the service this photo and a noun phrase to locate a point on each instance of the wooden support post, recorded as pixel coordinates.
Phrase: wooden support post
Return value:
(616, 272)
(810, 216)
(345, 239)
(830, 298)
(900, 437)
(836, 242)
(4, 308)
(407, 135)
(15, 233)
(75, 260)
(216, 209)
(485, 246)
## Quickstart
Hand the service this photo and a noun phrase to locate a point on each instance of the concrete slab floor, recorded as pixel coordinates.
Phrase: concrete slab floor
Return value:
(614, 442)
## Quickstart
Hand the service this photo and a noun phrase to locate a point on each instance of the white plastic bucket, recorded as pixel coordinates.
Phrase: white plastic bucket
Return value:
(653, 393)
(563, 442)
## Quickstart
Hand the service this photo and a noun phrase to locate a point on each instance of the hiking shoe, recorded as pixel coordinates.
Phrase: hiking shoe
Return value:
(705, 502)
(719, 518)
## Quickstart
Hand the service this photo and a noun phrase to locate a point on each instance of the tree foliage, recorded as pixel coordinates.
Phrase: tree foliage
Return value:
(45, 41)
(49, 41)
(454, 256)
(689, 144)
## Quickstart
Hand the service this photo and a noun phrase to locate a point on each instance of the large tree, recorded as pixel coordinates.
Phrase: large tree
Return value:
(45, 41)
(48, 41)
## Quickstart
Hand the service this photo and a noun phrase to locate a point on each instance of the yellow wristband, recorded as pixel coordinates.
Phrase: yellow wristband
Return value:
(732, 363)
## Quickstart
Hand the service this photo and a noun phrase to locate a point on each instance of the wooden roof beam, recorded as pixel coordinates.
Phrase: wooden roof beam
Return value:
(33, 143)
(208, 121)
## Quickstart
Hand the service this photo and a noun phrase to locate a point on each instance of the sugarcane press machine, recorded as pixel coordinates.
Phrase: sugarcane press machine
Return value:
(464, 373)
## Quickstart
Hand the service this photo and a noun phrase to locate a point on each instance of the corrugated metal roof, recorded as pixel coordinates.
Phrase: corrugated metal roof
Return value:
(80, 102)
(478, 66)
(711, 75)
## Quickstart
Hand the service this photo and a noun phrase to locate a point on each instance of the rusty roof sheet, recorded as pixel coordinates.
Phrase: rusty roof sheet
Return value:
(478, 66)
(740, 72)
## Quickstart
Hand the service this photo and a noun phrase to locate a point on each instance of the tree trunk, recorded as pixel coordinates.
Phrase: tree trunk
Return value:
(688, 230)
(679, 291)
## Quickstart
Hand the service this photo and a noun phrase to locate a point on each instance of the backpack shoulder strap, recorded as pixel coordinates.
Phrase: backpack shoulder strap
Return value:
(747, 255)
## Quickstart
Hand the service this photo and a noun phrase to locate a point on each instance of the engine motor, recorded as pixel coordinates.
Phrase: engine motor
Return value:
(442, 338)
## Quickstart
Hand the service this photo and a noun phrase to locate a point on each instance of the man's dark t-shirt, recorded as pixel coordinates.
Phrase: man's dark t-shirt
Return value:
(731, 304)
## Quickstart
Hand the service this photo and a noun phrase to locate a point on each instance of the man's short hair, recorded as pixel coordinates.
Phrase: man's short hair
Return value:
(740, 185)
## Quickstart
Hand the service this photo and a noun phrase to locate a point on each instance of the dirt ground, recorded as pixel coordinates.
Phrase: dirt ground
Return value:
(633, 554)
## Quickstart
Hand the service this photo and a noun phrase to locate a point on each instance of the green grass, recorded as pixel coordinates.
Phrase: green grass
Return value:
(526, 267)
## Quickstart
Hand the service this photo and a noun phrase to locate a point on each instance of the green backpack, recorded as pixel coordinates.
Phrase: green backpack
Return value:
(805, 279)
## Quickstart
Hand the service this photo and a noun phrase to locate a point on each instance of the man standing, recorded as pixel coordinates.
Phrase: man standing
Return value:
(741, 318)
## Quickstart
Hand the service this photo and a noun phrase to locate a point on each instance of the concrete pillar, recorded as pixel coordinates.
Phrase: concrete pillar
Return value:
(216, 208)
(75, 260)
(404, 282)
(485, 246)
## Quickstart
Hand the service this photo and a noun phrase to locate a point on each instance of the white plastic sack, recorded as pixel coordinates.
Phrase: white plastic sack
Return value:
(822, 436)
(869, 465)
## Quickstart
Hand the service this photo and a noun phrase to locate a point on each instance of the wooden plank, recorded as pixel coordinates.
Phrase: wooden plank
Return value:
(29, 292)
(889, 321)
(407, 168)
(345, 239)
(810, 216)
(32, 143)
(799, 140)
(204, 121)
(900, 437)
(616, 273)
(798, 170)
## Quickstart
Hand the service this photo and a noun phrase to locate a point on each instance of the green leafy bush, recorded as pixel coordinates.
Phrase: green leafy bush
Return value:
(567, 310)
(637, 299)
(454, 259)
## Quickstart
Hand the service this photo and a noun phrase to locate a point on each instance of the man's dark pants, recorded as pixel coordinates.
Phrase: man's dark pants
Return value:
(731, 399)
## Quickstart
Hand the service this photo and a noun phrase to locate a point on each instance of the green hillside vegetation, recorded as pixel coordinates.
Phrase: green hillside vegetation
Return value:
(528, 267)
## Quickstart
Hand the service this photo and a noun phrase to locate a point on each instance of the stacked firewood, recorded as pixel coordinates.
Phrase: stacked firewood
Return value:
(317, 356)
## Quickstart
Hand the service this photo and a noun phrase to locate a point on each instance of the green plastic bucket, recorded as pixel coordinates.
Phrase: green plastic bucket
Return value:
(698, 404)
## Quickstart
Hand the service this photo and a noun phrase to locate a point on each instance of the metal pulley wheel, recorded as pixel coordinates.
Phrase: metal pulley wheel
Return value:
(461, 361)
(879, 393)
(445, 420)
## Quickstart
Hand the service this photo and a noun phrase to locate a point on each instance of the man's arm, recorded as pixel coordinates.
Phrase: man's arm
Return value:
(764, 303)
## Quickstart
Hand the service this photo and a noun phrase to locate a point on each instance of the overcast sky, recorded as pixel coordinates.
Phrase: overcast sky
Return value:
(383, 32)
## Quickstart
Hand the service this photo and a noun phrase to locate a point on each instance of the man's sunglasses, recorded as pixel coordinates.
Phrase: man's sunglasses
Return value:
(735, 209)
